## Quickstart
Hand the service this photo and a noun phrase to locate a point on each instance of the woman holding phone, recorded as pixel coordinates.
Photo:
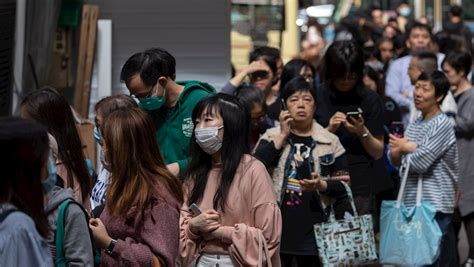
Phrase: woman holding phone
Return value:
(306, 160)
(362, 136)
(232, 189)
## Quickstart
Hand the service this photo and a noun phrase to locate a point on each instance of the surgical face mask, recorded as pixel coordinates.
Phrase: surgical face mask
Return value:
(405, 11)
(208, 139)
(152, 103)
(97, 135)
(50, 182)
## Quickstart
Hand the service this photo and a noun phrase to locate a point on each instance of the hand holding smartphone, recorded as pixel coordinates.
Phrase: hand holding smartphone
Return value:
(283, 105)
(397, 129)
(195, 210)
(355, 114)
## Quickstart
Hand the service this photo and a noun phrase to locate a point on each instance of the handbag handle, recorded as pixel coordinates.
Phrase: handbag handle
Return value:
(401, 191)
(263, 249)
(351, 198)
(332, 215)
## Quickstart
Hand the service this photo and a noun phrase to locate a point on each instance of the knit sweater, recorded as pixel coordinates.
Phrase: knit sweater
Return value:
(141, 237)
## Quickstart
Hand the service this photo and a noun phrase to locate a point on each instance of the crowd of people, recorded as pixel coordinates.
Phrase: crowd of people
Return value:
(192, 175)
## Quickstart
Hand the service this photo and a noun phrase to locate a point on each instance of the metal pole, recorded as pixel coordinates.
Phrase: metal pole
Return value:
(438, 15)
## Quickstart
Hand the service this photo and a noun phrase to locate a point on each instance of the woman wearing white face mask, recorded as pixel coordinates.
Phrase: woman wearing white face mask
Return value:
(230, 214)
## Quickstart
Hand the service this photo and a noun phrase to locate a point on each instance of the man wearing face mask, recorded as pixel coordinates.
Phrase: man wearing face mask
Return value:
(150, 76)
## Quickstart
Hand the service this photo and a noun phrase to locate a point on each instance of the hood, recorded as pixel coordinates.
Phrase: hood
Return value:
(56, 197)
(190, 86)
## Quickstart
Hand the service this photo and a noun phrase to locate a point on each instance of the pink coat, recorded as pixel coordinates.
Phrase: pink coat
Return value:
(251, 208)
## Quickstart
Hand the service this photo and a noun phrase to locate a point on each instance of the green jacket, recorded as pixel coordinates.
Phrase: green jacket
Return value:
(174, 126)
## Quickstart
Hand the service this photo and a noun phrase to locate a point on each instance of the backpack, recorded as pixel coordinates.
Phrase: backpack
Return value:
(60, 259)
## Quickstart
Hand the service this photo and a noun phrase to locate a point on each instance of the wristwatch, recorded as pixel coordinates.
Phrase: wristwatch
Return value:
(110, 248)
(365, 134)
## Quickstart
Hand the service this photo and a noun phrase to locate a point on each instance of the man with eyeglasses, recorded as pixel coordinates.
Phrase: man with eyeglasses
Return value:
(150, 76)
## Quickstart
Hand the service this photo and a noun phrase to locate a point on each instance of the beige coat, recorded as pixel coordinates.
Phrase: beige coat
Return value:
(326, 143)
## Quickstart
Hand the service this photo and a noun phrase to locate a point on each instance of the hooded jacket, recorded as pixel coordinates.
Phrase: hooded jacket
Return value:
(174, 126)
(77, 241)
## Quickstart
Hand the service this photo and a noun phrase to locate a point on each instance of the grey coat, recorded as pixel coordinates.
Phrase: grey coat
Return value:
(77, 241)
(465, 140)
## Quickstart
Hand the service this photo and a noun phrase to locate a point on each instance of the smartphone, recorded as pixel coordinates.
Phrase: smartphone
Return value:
(353, 114)
(397, 129)
(195, 210)
(283, 105)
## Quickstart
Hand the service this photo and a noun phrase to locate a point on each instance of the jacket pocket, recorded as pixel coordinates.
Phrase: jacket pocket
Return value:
(326, 163)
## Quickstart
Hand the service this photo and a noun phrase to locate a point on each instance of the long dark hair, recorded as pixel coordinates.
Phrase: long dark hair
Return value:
(342, 59)
(24, 154)
(234, 146)
(135, 162)
(52, 110)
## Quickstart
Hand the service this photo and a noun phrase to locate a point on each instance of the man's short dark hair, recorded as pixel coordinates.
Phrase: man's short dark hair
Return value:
(421, 26)
(428, 61)
(439, 81)
(268, 54)
(459, 61)
(455, 11)
(151, 64)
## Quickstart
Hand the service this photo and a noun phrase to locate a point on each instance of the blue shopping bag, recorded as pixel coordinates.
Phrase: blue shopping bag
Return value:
(409, 236)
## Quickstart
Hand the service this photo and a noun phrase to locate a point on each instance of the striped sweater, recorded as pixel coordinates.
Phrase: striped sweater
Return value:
(436, 159)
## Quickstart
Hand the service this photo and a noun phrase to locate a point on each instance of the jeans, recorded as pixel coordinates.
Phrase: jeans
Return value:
(447, 255)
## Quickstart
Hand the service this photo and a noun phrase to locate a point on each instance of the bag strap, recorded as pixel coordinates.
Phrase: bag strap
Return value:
(351, 198)
(401, 191)
(332, 214)
(263, 249)
(60, 260)
(419, 192)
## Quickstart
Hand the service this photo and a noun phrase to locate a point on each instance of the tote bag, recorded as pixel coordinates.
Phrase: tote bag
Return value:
(409, 236)
(347, 241)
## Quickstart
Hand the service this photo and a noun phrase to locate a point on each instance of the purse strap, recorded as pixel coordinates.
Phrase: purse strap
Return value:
(401, 191)
(351, 198)
(263, 249)
(332, 214)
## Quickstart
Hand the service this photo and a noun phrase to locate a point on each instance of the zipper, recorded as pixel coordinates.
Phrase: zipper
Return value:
(348, 231)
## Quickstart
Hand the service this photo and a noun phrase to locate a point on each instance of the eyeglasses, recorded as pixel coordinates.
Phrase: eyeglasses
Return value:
(144, 94)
